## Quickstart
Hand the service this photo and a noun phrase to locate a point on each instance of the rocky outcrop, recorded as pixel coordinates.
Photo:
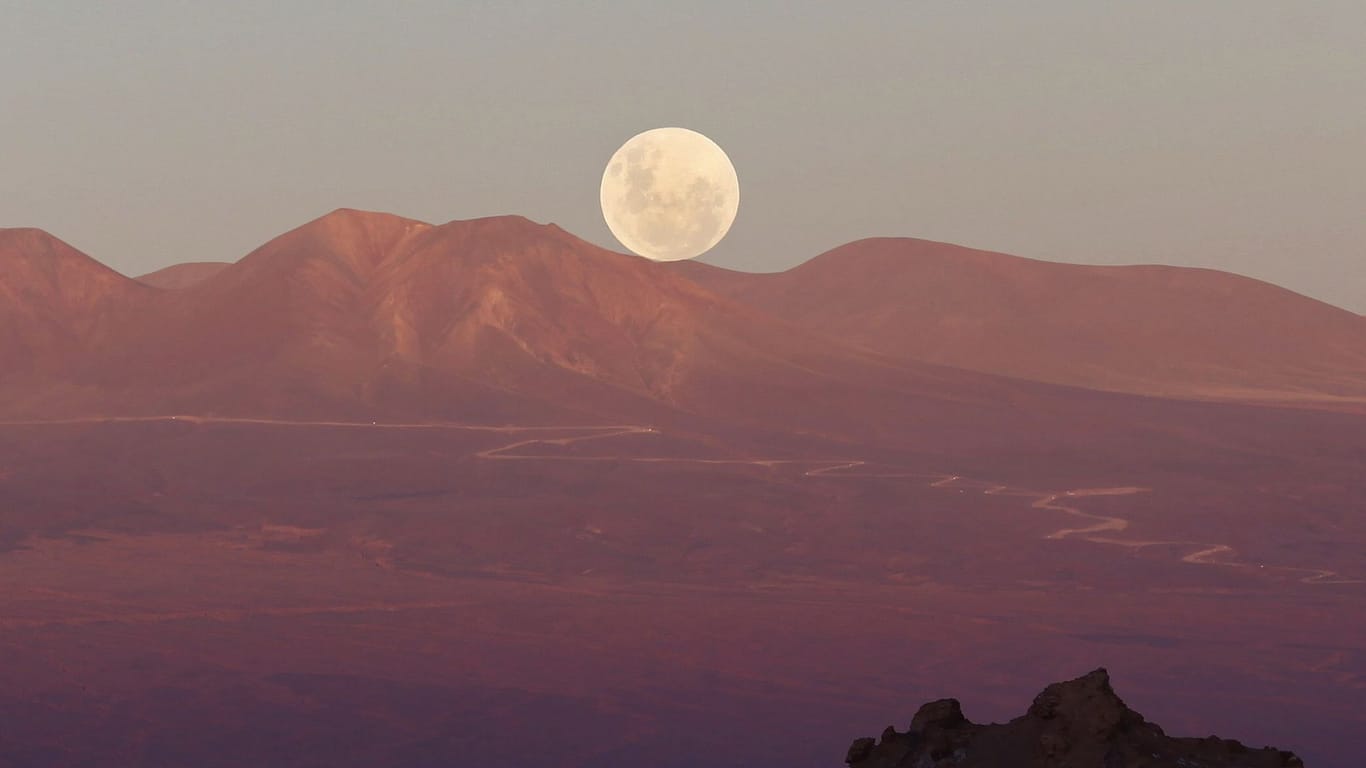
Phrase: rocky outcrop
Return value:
(1081, 723)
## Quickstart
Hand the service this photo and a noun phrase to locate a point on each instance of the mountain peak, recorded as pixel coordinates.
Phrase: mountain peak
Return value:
(507, 227)
(347, 242)
(28, 254)
(18, 234)
(512, 220)
(345, 224)
(361, 216)
(31, 242)
(53, 298)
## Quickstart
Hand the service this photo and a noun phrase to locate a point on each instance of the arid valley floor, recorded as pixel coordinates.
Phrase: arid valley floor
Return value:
(601, 594)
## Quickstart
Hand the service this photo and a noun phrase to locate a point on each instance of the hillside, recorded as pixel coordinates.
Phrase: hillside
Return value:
(1150, 330)
(56, 302)
(179, 276)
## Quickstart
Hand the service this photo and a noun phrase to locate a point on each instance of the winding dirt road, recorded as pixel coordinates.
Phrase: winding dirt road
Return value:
(1198, 553)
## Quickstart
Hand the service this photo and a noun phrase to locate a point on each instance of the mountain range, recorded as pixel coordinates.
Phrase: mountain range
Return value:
(360, 312)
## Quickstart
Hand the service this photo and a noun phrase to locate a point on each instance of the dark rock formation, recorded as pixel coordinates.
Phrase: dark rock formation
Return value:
(1077, 724)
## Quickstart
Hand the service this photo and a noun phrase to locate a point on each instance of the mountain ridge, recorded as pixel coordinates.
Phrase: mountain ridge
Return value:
(359, 307)
(1144, 329)
(356, 313)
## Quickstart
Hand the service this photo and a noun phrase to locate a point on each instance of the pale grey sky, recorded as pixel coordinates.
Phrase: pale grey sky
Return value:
(1220, 133)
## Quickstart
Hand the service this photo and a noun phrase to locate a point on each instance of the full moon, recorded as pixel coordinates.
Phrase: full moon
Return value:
(669, 194)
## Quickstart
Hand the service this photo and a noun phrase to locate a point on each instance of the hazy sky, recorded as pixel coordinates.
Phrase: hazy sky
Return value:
(1220, 133)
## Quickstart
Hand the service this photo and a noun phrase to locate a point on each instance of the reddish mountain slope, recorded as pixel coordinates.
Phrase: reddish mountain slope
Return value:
(360, 314)
(179, 276)
(1144, 329)
(54, 300)
(281, 330)
(357, 315)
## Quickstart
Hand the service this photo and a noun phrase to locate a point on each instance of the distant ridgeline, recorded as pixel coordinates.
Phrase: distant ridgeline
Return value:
(1077, 724)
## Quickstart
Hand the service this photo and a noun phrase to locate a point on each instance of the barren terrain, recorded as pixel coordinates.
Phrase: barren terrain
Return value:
(592, 592)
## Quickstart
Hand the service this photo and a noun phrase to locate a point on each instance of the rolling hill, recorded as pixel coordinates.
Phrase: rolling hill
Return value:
(179, 276)
(1151, 330)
